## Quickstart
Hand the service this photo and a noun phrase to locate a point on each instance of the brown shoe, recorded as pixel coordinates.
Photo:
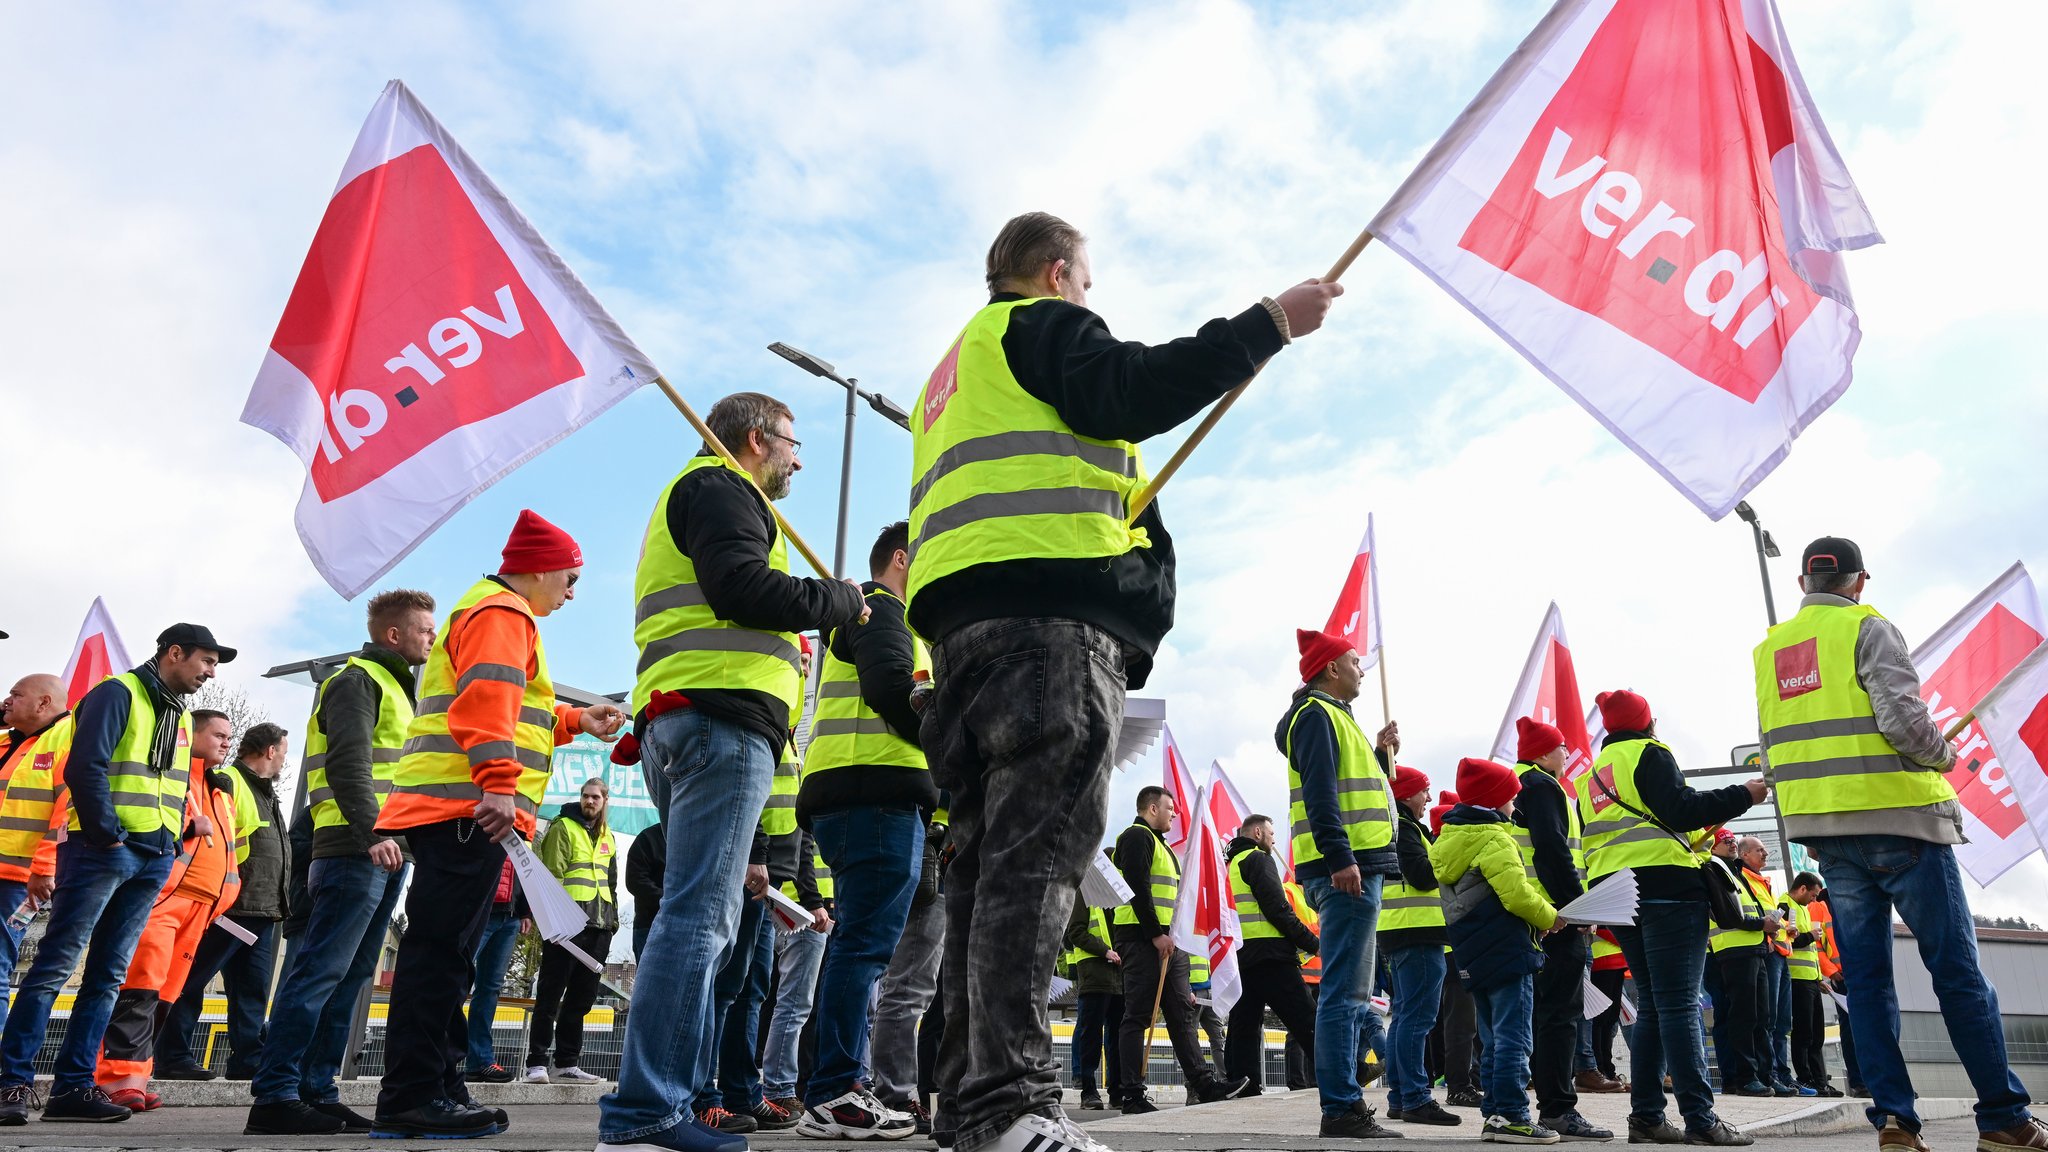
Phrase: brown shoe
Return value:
(1591, 1080)
(2030, 1133)
(1891, 1136)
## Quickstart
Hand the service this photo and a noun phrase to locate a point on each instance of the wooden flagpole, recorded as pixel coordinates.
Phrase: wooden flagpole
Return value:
(711, 438)
(1961, 724)
(1151, 491)
(1158, 995)
(1386, 710)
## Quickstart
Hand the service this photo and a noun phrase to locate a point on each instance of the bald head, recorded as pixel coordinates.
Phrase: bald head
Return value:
(33, 702)
(1751, 850)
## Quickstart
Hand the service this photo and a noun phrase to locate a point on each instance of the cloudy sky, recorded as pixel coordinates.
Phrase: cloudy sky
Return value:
(830, 175)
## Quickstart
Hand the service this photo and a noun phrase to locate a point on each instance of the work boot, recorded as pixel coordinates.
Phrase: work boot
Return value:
(1357, 1124)
(1593, 1080)
(1721, 1135)
(352, 1121)
(1661, 1132)
(439, 1120)
(2028, 1133)
(1893, 1138)
(290, 1118)
(182, 1072)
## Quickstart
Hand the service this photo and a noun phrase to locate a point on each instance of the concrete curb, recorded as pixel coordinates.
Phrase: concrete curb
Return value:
(1833, 1117)
(362, 1094)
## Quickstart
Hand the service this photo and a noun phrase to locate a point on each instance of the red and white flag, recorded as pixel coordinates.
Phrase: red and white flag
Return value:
(1549, 691)
(1644, 203)
(432, 344)
(1356, 616)
(1959, 665)
(2013, 720)
(1205, 915)
(98, 654)
(1226, 803)
(1179, 783)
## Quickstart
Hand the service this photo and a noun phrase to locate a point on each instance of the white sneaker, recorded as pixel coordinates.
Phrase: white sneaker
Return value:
(876, 1106)
(536, 1074)
(1035, 1133)
(854, 1116)
(573, 1075)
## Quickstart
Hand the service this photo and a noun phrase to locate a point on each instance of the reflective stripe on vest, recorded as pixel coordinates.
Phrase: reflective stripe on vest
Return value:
(434, 766)
(1098, 929)
(588, 865)
(1165, 886)
(846, 732)
(1574, 837)
(996, 473)
(1251, 916)
(1403, 905)
(145, 799)
(1820, 733)
(28, 815)
(387, 738)
(778, 817)
(1804, 963)
(683, 643)
(1364, 802)
(1614, 837)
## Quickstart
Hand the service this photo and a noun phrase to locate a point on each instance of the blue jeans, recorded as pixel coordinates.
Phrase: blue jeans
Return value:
(1505, 1012)
(1778, 1020)
(493, 953)
(103, 899)
(1666, 950)
(709, 780)
(12, 893)
(1350, 927)
(797, 959)
(1868, 877)
(315, 1004)
(1418, 990)
(731, 988)
(875, 855)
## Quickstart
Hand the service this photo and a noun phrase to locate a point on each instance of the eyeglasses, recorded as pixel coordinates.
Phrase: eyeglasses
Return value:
(795, 445)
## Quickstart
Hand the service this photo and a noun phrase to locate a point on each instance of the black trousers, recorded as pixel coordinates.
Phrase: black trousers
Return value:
(426, 1043)
(1606, 1024)
(1098, 1032)
(565, 992)
(1176, 1010)
(245, 969)
(1560, 1005)
(1458, 1023)
(1274, 983)
(1809, 1034)
(1747, 1058)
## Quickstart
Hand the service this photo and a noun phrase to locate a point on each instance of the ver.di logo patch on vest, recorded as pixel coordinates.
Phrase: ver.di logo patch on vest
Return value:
(945, 380)
(1798, 669)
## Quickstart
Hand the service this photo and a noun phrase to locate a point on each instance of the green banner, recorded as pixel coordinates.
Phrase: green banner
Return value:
(585, 757)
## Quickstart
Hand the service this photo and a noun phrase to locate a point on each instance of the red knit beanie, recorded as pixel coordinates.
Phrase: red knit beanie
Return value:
(1624, 711)
(1437, 814)
(1318, 649)
(1485, 784)
(1408, 781)
(538, 546)
(1535, 739)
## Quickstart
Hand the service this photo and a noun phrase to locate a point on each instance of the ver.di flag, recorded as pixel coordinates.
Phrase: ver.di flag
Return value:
(1356, 616)
(432, 344)
(1549, 691)
(1226, 803)
(1205, 914)
(1644, 203)
(2013, 720)
(1179, 782)
(1958, 665)
(97, 655)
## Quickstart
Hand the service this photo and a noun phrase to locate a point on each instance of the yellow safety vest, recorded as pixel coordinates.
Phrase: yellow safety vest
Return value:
(1098, 927)
(1603, 948)
(846, 732)
(1574, 835)
(819, 873)
(248, 815)
(1724, 939)
(1615, 837)
(997, 475)
(1804, 963)
(1402, 905)
(387, 741)
(589, 863)
(434, 768)
(28, 815)
(683, 643)
(1165, 886)
(1820, 733)
(778, 816)
(1364, 801)
(1198, 969)
(144, 798)
(1251, 917)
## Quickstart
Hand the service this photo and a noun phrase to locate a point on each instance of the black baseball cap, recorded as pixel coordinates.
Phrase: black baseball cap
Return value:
(1830, 555)
(189, 636)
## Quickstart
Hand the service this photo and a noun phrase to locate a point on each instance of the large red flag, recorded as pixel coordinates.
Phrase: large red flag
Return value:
(1205, 915)
(1549, 691)
(1179, 783)
(1958, 665)
(1644, 203)
(1356, 616)
(1226, 803)
(432, 344)
(97, 655)
(2013, 720)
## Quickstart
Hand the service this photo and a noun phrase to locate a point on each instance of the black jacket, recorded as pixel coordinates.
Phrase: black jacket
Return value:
(646, 860)
(1063, 354)
(1411, 844)
(348, 714)
(881, 653)
(1490, 946)
(1315, 762)
(266, 874)
(1133, 857)
(1541, 808)
(1263, 877)
(1681, 810)
(721, 523)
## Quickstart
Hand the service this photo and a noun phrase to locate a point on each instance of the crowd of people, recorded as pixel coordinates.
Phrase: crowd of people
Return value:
(932, 807)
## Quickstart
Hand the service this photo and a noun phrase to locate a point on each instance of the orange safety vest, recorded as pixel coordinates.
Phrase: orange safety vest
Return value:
(1311, 968)
(206, 871)
(1781, 940)
(1824, 938)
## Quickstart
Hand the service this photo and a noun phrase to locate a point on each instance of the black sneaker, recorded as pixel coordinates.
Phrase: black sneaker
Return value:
(1721, 1135)
(1357, 1124)
(1393, 1113)
(1753, 1088)
(492, 1074)
(1429, 1112)
(1463, 1098)
(352, 1121)
(83, 1106)
(1829, 1090)
(735, 1123)
(16, 1102)
(1218, 1088)
(1572, 1126)
(439, 1120)
(182, 1072)
(1662, 1132)
(289, 1118)
(772, 1117)
(1251, 1088)
(1091, 1101)
(1138, 1105)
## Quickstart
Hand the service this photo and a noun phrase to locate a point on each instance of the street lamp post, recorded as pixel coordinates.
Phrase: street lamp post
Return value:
(880, 403)
(1767, 550)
